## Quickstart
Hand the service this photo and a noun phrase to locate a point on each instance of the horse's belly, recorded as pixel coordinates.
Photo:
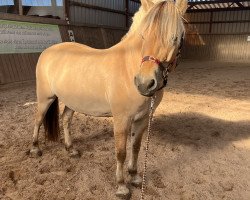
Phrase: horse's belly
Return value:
(94, 103)
(97, 108)
(85, 95)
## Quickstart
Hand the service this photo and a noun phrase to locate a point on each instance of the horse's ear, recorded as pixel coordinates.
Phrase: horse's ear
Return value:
(146, 4)
(181, 5)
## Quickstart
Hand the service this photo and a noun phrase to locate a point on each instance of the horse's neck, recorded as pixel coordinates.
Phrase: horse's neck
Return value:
(129, 51)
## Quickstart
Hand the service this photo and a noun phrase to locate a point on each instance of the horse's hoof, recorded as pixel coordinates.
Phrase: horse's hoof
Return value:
(73, 153)
(35, 152)
(123, 192)
(136, 180)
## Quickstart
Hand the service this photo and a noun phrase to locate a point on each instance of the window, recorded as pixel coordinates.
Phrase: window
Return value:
(59, 2)
(36, 2)
(7, 6)
(6, 2)
(41, 8)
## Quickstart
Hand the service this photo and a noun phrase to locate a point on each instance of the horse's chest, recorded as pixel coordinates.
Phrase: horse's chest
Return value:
(142, 111)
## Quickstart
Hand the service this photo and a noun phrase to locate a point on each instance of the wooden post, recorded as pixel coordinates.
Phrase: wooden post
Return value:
(15, 10)
(66, 9)
(105, 41)
(20, 7)
(127, 12)
(53, 4)
(211, 22)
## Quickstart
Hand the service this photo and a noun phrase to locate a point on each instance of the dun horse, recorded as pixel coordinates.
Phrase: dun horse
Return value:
(113, 82)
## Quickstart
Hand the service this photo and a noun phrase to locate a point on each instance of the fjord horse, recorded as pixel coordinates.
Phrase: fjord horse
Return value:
(113, 82)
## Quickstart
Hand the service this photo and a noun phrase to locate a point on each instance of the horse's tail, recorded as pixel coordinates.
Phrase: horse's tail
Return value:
(51, 121)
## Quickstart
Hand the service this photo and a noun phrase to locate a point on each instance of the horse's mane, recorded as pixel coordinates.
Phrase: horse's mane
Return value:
(136, 21)
(163, 19)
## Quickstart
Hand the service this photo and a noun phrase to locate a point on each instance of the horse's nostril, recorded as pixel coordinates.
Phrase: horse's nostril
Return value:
(136, 81)
(151, 84)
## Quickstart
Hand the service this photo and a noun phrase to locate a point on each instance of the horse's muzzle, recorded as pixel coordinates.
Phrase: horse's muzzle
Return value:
(146, 87)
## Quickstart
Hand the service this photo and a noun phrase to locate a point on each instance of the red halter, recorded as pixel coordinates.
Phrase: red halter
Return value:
(150, 58)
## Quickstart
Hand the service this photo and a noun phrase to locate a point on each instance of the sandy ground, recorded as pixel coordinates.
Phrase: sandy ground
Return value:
(200, 148)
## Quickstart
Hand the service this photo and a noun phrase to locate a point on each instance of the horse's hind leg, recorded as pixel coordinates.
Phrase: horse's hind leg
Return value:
(138, 128)
(67, 118)
(42, 108)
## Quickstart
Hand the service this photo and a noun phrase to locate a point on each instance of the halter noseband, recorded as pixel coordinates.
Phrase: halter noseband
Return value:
(165, 71)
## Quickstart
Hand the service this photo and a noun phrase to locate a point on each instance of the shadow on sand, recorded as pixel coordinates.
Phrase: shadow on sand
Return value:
(199, 131)
(191, 129)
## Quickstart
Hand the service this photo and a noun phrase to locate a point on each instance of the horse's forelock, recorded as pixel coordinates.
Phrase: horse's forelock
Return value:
(165, 21)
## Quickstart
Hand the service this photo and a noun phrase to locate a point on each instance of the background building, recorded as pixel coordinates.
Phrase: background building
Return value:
(216, 29)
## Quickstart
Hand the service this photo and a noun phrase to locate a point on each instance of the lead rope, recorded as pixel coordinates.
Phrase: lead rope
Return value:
(147, 147)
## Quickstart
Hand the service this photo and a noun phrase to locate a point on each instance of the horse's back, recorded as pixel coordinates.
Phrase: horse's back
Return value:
(65, 50)
(73, 73)
(55, 59)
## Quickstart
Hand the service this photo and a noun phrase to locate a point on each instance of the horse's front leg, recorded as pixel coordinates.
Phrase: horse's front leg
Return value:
(138, 128)
(122, 126)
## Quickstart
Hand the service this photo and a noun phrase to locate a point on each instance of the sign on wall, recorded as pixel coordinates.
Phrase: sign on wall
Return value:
(25, 37)
(71, 36)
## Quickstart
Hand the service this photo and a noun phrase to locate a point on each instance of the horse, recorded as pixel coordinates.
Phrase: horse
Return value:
(115, 82)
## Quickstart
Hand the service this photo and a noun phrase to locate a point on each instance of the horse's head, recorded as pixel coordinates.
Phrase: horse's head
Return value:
(162, 32)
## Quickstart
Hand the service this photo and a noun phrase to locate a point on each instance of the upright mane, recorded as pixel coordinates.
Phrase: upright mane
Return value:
(163, 19)
(137, 19)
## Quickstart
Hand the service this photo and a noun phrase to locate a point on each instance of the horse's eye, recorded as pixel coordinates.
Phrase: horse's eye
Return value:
(174, 40)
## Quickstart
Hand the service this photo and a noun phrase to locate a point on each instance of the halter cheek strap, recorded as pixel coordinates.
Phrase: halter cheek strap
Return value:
(159, 63)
